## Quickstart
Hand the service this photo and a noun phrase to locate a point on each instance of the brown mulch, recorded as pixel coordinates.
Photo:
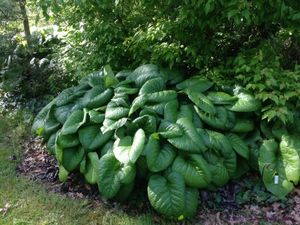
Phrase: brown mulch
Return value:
(38, 165)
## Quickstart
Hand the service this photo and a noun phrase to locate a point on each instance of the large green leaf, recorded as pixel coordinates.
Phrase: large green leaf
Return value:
(128, 150)
(126, 90)
(196, 83)
(51, 143)
(191, 202)
(158, 156)
(112, 174)
(144, 73)
(161, 96)
(190, 141)
(96, 117)
(290, 152)
(39, 120)
(170, 130)
(67, 141)
(245, 103)
(239, 146)
(71, 158)
(153, 85)
(65, 97)
(170, 111)
(146, 122)
(116, 125)
(92, 168)
(98, 97)
(167, 194)
(279, 166)
(117, 108)
(194, 169)
(109, 77)
(202, 102)
(137, 103)
(221, 98)
(243, 126)
(51, 125)
(217, 121)
(220, 144)
(92, 138)
(74, 122)
(62, 113)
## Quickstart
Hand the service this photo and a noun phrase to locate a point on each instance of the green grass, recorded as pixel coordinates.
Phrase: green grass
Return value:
(30, 201)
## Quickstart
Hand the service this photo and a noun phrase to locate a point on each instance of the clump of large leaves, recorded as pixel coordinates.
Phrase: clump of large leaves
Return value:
(180, 136)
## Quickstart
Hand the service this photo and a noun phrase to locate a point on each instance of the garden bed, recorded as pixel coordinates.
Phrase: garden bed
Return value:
(236, 203)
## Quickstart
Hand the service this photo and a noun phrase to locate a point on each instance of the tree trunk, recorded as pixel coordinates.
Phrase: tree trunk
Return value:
(25, 21)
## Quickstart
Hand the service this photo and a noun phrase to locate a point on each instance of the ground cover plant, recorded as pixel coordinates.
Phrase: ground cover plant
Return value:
(178, 135)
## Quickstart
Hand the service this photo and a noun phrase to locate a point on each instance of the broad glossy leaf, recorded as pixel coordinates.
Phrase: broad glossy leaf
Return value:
(190, 141)
(226, 155)
(62, 113)
(285, 166)
(221, 98)
(112, 174)
(51, 125)
(51, 143)
(196, 83)
(194, 169)
(290, 152)
(144, 73)
(170, 130)
(126, 90)
(107, 148)
(67, 141)
(159, 157)
(161, 96)
(167, 194)
(185, 111)
(98, 97)
(71, 158)
(92, 168)
(217, 121)
(202, 102)
(153, 85)
(117, 124)
(109, 77)
(123, 74)
(170, 111)
(92, 138)
(137, 103)
(239, 146)
(65, 97)
(39, 121)
(96, 117)
(243, 126)
(128, 150)
(191, 202)
(74, 122)
(146, 122)
(117, 108)
(63, 174)
(245, 103)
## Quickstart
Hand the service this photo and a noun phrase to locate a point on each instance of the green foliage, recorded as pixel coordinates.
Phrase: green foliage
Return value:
(167, 136)
(183, 34)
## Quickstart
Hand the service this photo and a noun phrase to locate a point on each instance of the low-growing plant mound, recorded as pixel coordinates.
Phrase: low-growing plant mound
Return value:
(178, 135)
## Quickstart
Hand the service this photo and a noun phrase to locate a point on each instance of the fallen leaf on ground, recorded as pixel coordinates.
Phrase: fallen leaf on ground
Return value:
(5, 209)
